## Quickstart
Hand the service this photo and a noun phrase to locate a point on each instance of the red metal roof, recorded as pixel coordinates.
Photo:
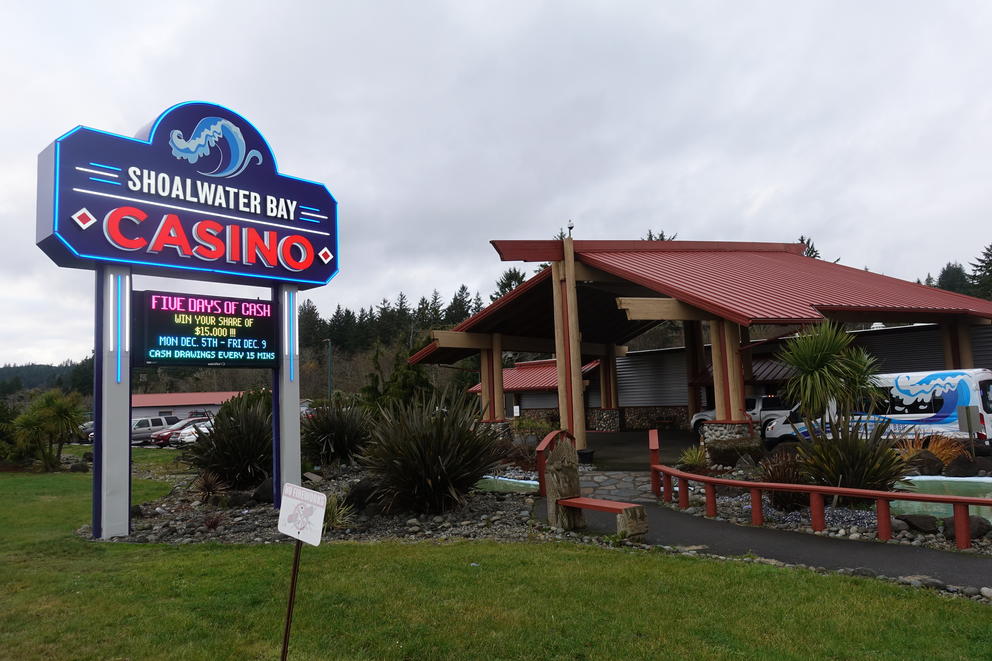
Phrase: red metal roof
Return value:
(183, 398)
(533, 375)
(768, 283)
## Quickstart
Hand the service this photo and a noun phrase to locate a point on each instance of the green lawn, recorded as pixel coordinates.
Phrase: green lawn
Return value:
(67, 598)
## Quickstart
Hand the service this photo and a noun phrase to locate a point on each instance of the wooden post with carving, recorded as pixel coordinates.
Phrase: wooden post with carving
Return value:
(562, 481)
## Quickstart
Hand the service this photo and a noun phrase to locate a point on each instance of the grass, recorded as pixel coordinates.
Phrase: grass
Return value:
(66, 598)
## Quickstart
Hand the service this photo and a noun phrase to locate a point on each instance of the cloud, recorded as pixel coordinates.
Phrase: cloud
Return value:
(439, 126)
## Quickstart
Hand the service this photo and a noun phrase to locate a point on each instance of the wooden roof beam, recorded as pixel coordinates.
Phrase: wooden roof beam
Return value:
(480, 341)
(661, 309)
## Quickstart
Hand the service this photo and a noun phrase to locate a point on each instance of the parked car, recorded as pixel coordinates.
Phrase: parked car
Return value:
(188, 435)
(143, 428)
(762, 411)
(921, 402)
(163, 438)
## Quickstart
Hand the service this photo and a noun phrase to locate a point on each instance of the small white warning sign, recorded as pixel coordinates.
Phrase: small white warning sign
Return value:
(301, 515)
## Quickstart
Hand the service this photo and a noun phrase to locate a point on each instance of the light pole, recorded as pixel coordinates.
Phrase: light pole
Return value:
(330, 372)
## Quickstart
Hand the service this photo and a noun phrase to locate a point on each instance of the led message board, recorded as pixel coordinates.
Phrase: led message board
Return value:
(202, 330)
(195, 195)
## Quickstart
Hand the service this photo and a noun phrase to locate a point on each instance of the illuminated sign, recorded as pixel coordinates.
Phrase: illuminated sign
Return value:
(201, 330)
(196, 195)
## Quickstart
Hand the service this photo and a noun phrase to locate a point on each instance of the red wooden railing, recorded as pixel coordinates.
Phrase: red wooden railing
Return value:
(545, 446)
(662, 487)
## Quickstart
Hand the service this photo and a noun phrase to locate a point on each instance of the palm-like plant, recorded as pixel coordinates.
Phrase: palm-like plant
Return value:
(827, 369)
(833, 380)
(50, 421)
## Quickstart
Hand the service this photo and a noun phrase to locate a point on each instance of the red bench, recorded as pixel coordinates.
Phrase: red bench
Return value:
(632, 522)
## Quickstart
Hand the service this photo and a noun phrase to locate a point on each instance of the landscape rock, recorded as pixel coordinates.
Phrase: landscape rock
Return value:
(962, 466)
(986, 592)
(978, 526)
(922, 522)
(360, 494)
(263, 492)
(898, 525)
(926, 463)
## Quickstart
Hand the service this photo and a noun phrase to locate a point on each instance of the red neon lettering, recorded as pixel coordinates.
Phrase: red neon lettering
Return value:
(257, 246)
(112, 228)
(288, 259)
(211, 246)
(170, 234)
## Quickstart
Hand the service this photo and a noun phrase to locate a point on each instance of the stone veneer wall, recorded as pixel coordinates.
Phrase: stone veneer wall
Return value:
(502, 428)
(544, 415)
(713, 430)
(603, 419)
(636, 418)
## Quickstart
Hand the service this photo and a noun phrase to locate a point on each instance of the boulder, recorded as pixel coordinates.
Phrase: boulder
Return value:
(921, 522)
(238, 498)
(926, 463)
(962, 466)
(263, 492)
(136, 512)
(978, 526)
(88, 456)
(984, 464)
(361, 494)
(81, 467)
(898, 525)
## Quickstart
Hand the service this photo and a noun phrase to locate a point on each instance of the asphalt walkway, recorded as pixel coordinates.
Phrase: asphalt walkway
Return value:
(674, 528)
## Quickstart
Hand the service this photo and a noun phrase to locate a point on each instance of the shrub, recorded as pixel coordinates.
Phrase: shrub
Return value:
(945, 448)
(522, 454)
(784, 468)
(50, 421)
(334, 432)
(239, 446)
(208, 484)
(727, 451)
(852, 454)
(427, 453)
(694, 459)
(338, 514)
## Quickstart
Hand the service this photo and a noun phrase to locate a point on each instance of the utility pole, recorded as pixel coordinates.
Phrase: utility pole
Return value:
(330, 369)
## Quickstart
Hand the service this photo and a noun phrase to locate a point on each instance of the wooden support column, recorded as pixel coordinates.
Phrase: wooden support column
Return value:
(949, 340)
(568, 358)
(965, 354)
(721, 388)
(487, 395)
(735, 370)
(750, 388)
(692, 332)
(499, 398)
(608, 378)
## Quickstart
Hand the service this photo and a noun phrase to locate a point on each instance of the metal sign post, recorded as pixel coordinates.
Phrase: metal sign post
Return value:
(301, 517)
(968, 422)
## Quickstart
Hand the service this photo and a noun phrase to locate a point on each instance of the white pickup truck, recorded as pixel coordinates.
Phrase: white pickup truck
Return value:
(762, 410)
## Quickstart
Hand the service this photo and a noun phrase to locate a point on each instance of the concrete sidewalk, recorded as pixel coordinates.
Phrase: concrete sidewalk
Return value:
(673, 528)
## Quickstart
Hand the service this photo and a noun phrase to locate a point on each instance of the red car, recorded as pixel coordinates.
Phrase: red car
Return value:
(164, 438)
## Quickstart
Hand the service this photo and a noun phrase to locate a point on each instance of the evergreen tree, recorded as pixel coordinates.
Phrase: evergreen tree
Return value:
(476, 304)
(660, 236)
(810, 248)
(510, 280)
(953, 278)
(313, 329)
(929, 281)
(459, 308)
(981, 274)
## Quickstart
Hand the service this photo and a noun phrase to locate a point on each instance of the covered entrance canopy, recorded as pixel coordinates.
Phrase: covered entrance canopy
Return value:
(598, 295)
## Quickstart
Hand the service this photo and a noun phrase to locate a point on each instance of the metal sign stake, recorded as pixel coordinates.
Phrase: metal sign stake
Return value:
(292, 600)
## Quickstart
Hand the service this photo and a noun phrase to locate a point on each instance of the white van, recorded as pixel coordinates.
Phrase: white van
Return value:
(921, 402)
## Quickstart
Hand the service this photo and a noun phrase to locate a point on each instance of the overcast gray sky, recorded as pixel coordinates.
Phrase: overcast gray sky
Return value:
(441, 125)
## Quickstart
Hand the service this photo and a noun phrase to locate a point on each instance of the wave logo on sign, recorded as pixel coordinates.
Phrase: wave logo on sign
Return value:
(215, 134)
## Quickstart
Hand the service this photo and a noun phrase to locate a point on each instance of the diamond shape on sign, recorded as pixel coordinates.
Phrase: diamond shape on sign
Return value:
(83, 218)
(325, 255)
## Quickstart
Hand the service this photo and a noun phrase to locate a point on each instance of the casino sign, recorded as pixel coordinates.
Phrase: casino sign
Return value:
(196, 194)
